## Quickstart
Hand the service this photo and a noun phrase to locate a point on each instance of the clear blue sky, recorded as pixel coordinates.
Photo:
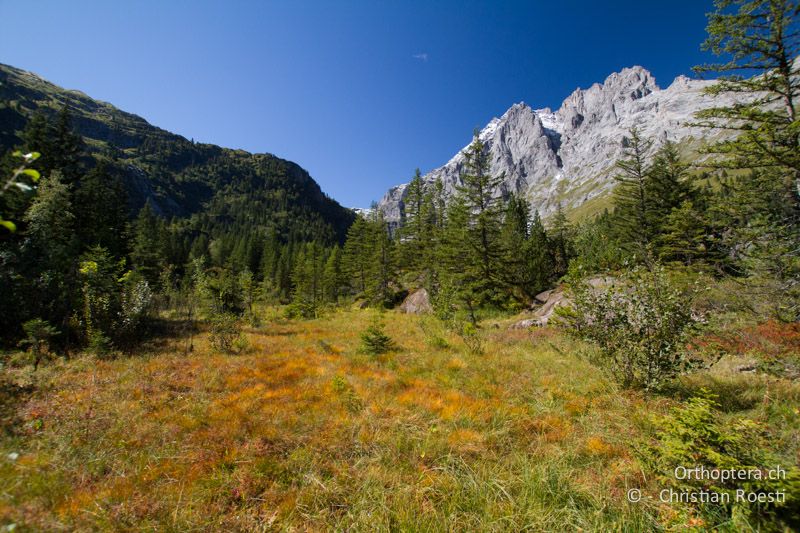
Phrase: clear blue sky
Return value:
(358, 93)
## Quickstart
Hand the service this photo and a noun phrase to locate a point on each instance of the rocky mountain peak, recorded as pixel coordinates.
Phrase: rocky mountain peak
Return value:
(568, 156)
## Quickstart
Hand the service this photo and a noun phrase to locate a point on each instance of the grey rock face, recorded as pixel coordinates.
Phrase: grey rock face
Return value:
(568, 156)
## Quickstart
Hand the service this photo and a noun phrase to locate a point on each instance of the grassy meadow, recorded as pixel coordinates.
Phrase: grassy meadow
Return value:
(301, 431)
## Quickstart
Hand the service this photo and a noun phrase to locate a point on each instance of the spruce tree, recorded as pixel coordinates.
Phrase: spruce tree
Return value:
(147, 252)
(539, 269)
(102, 219)
(684, 235)
(66, 148)
(759, 37)
(412, 231)
(561, 246)
(50, 251)
(631, 204)
(357, 254)
(381, 269)
(332, 279)
(668, 185)
(513, 237)
(481, 252)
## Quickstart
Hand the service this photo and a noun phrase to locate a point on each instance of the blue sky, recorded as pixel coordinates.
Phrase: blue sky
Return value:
(358, 93)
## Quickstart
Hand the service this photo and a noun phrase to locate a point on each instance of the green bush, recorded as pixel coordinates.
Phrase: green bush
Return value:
(39, 332)
(225, 331)
(375, 341)
(641, 324)
(347, 394)
(697, 435)
(471, 337)
(301, 309)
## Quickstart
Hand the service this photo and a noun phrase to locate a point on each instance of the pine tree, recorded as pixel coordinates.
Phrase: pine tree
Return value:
(356, 255)
(561, 245)
(381, 269)
(333, 280)
(631, 205)
(481, 252)
(147, 253)
(103, 217)
(759, 36)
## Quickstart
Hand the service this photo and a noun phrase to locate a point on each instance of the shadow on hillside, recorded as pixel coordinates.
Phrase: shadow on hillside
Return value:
(11, 396)
(162, 334)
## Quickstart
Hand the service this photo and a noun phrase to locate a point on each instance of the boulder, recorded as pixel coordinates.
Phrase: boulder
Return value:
(555, 299)
(525, 324)
(543, 296)
(418, 302)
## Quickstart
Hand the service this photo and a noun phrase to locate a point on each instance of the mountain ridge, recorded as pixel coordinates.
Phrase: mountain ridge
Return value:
(179, 177)
(567, 156)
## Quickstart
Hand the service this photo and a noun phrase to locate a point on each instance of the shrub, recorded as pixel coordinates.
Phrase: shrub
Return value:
(225, 330)
(375, 341)
(301, 309)
(471, 337)
(443, 300)
(433, 336)
(347, 394)
(696, 435)
(641, 325)
(39, 332)
(137, 300)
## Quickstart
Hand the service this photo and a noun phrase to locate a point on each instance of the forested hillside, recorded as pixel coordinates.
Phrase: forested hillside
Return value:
(138, 196)
(179, 177)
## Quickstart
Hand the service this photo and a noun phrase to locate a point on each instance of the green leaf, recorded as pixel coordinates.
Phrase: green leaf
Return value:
(34, 174)
(10, 226)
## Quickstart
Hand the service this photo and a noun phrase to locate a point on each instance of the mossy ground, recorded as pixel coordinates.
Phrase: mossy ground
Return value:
(303, 431)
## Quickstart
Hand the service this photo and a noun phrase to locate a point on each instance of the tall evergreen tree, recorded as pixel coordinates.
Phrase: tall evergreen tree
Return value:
(147, 252)
(631, 205)
(413, 226)
(50, 250)
(761, 37)
(668, 185)
(333, 280)
(381, 271)
(560, 242)
(481, 251)
(102, 219)
(513, 237)
(357, 254)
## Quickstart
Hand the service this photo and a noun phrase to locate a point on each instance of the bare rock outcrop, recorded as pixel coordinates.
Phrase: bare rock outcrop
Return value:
(418, 302)
(552, 299)
(568, 155)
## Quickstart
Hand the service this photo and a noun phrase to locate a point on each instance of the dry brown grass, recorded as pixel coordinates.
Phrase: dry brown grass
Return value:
(302, 432)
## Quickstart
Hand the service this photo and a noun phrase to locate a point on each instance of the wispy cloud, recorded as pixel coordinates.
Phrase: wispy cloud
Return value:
(422, 56)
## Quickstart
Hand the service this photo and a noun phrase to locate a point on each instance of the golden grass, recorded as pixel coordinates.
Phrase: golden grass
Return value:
(302, 432)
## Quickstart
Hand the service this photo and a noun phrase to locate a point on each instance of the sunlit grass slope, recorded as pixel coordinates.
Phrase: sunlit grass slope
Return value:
(304, 432)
